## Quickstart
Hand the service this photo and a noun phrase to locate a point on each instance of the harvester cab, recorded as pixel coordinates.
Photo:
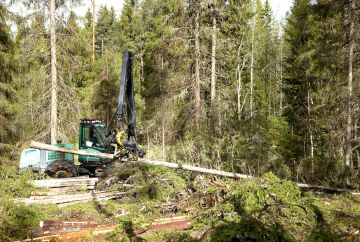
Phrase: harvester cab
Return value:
(95, 137)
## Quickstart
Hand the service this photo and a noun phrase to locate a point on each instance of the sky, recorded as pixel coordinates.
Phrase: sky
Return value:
(280, 7)
(117, 4)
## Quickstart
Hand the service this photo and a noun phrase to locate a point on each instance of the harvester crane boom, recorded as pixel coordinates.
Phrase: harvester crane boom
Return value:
(126, 95)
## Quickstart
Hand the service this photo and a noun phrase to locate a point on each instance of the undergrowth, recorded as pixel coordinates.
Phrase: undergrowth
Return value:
(15, 219)
(265, 209)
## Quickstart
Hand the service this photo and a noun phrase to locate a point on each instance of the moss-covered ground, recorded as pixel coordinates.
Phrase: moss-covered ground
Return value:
(268, 209)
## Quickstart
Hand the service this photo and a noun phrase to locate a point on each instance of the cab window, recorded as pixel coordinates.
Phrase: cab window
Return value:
(91, 137)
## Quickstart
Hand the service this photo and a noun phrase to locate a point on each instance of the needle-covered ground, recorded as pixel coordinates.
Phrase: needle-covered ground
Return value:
(266, 209)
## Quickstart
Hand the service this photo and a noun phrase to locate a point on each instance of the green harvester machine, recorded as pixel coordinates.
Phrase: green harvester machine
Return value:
(94, 137)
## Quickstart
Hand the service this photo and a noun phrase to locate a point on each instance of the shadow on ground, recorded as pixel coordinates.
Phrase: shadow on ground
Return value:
(250, 229)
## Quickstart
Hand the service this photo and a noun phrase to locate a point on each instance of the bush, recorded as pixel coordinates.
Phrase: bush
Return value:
(15, 219)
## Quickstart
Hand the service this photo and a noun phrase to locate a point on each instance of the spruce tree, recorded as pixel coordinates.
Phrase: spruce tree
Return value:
(297, 35)
(9, 129)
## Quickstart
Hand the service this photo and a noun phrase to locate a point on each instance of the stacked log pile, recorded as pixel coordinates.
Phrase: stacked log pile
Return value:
(63, 185)
(56, 191)
(68, 199)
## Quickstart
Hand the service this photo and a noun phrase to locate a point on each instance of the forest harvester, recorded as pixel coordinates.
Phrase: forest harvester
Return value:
(94, 137)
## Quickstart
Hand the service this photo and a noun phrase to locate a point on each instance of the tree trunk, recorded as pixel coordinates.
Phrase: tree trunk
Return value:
(162, 109)
(41, 146)
(93, 30)
(197, 78)
(281, 78)
(348, 146)
(53, 121)
(239, 86)
(252, 72)
(102, 47)
(213, 76)
(310, 131)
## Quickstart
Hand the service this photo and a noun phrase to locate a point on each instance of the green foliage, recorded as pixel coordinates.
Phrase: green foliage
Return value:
(250, 230)
(171, 237)
(280, 103)
(154, 183)
(16, 219)
(13, 184)
(253, 196)
(323, 233)
(9, 132)
(274, 202)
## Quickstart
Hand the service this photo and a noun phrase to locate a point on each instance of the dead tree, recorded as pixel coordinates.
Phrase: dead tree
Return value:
(53, 121)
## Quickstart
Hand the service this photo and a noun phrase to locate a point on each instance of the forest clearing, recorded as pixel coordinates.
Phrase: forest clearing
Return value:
(179, 120)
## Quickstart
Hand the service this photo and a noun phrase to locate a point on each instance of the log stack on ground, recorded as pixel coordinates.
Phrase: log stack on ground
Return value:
(65, 182)
(63, 185)
(56, 191)
(67, 230)
(76, 230)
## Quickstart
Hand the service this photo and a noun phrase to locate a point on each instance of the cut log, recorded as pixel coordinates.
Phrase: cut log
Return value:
(64, 182)
(61, 190)
(330, 189)
(60, 199)
(75, 235)
(195, 168)
(164, 224)
(41, 146)
(76, 230)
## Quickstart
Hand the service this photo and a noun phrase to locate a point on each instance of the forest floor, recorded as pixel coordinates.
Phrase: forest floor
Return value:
(166, 205)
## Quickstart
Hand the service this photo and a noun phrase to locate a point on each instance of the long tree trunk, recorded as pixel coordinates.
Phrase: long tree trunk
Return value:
(93, 30)
(162, 108)
(348, 146)
(213, 75)
(239, 85)
(197, 78)
(252, 72)
(53, 121)
(281, 78)
(309, 102)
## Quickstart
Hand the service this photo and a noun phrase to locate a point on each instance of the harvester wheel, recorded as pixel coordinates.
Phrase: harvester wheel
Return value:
(61, 169)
